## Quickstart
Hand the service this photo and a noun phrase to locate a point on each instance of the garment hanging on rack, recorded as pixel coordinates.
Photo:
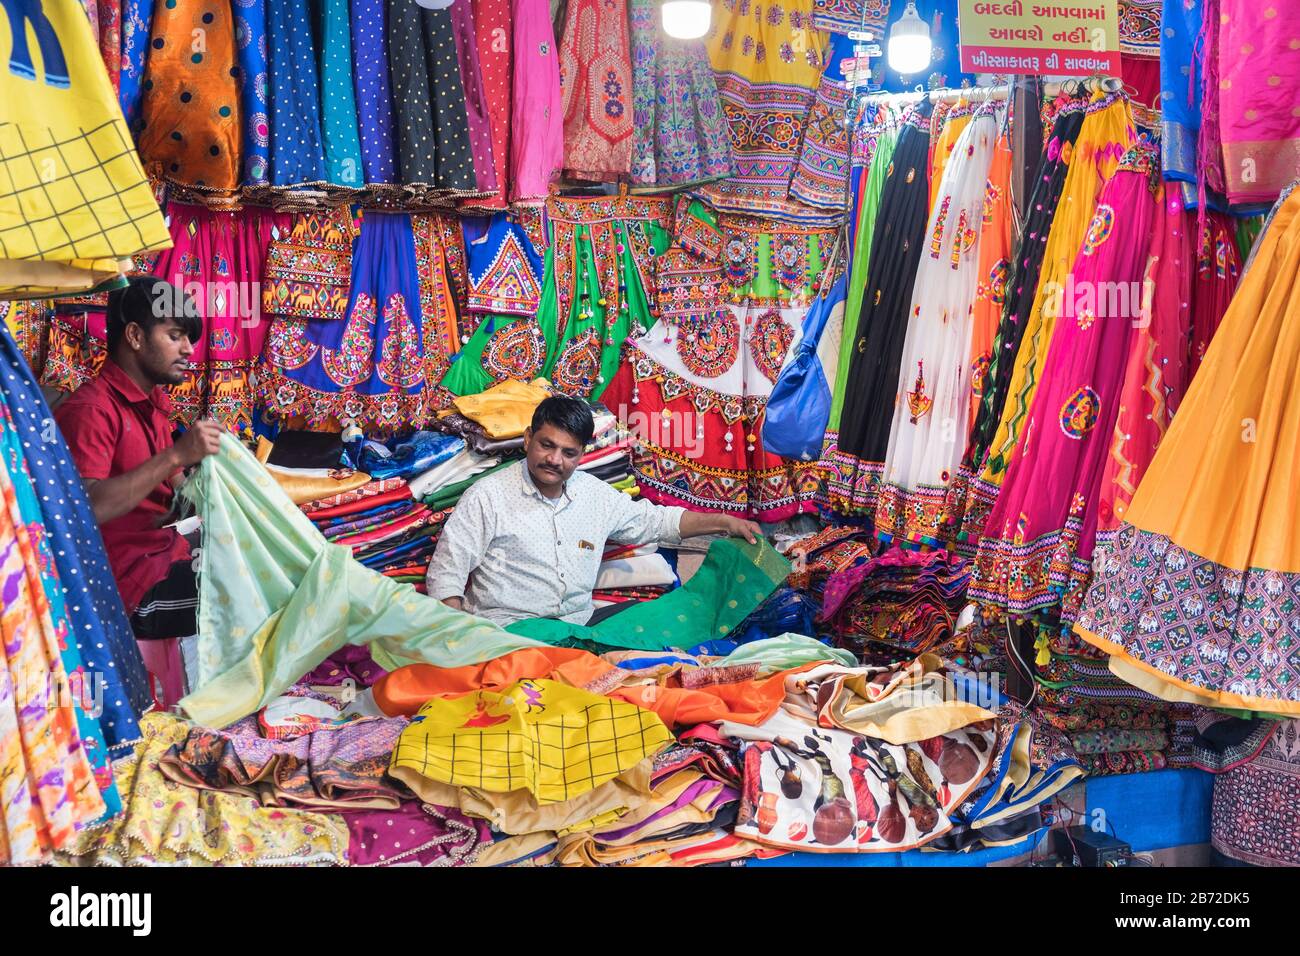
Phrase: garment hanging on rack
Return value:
(820, 179)
(1036, 552)
(373, 92)
(254, 91)
(1193, 601)
(767, 68)
(495, 52)
(476, 105)
(536, 106)
(873, 375)
(1107, 132)
(931, 406)
(968, 502)
(339, 136)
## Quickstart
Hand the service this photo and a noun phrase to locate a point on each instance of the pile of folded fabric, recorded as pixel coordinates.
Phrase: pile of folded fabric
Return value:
(493, 422)
(631, 574)
(1112, 726)
(897, 605)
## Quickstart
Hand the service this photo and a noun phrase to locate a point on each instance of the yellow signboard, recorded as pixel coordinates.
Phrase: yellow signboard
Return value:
(1021, 36)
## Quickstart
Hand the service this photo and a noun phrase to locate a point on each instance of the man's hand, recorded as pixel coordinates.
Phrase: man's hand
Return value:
(734, 527)
(455, 603)
(201, 440)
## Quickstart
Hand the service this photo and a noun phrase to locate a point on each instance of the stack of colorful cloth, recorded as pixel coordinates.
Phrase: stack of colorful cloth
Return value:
(897, 605)
(632, 573)
(493, 422)
(1112, 726)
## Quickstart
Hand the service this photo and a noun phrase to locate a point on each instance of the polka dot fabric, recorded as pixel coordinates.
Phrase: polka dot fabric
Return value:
(374, 105)
(192, 115)
(95, 615)
(493, 40)
(338, 108)
(433, 144)
(297, 150)
(255, 95)
(476, 109)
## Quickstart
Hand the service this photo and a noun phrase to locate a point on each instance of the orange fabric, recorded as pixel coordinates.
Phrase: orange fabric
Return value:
(405, 690)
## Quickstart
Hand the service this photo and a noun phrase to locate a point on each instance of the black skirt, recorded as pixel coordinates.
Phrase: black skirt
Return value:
(896, 245)
(432, 129)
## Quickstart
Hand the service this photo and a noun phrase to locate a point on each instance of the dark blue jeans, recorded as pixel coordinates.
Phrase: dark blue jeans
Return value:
(21, 13)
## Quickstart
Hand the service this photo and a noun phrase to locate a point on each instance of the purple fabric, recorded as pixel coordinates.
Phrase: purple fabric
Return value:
(689, 795)
(374, 105)
(414, 833)
(350, 662)
(476, 108)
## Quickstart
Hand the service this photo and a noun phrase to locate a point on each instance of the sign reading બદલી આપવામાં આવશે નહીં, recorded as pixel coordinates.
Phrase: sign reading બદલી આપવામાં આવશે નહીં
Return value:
(1046, 39)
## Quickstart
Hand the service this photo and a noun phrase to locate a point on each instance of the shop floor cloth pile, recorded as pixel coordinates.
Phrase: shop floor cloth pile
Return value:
(276, 599)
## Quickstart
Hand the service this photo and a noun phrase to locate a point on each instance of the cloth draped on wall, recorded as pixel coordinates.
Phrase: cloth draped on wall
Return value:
(373, 95)
(297, 153)
(680, 134)
(67, 160)
(596, 82)
(696, 384)
(601, 287)
(379, 363)
(1193, 600)
(821, 176)
(476, 107)
(494, 49)
(339, 135)
(767, 62)
(1261, 139)
(276, 599)
(536, 104)
(254, 89)
(434, 150)
(137, 16)
(217, 259)
(1180, 90)
(192, 112)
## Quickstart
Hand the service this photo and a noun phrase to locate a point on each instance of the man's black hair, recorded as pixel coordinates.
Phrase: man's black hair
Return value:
(148, 301)
(567, 414)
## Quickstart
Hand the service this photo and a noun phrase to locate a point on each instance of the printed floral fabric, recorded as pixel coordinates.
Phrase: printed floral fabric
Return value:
(596, 85)
(330, 768)
(680, 132)
(167, 823)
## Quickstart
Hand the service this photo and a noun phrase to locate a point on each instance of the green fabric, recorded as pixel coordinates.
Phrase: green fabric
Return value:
(632, 321)
(1248, 230)
(766, 284)
(785, 651)
(447, 497)
(276, 599)
(866, 229)
(735, 578)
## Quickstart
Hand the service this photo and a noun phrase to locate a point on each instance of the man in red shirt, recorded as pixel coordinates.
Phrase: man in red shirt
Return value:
(117, 428)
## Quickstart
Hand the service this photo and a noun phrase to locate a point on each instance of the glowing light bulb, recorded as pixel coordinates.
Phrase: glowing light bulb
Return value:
(686, 20)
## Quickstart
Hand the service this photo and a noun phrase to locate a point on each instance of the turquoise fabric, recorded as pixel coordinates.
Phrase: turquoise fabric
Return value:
(785, 651)
(275, 599)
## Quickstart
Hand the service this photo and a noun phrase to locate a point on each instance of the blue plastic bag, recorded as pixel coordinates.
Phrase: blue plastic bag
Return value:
(800, 404)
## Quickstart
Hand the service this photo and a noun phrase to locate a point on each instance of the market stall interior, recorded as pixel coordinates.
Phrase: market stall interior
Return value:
(624, 433)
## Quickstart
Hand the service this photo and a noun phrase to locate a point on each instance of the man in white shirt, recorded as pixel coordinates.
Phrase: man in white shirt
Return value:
(527, 541)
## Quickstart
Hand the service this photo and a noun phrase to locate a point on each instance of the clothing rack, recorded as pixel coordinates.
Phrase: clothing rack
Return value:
(981, 94)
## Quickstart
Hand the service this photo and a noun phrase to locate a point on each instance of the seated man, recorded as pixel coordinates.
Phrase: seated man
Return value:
(528, 540)
(117, 429)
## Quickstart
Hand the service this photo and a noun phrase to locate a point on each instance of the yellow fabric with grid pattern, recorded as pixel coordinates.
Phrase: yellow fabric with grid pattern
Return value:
(556, 741)
(72, 191)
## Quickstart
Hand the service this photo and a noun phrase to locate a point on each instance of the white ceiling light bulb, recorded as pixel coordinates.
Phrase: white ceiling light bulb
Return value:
(434, 4)
(910, 46)
(687, 19)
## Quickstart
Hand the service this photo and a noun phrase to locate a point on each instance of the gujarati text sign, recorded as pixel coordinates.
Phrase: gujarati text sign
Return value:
(1061, 39)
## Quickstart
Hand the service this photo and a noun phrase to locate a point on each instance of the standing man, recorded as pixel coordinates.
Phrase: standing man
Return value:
(118, 431)
(528, 540)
